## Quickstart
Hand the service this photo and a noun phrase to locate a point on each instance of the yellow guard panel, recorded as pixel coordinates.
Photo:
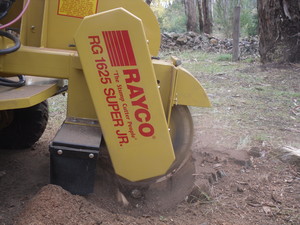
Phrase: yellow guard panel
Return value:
(65, 15)
(120, 76)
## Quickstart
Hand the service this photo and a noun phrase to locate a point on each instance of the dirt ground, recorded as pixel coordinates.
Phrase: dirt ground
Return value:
(242, 174)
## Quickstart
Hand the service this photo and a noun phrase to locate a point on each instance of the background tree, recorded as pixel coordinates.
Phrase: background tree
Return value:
(207, 16)
(279, 28)
(173, 16)
(223, 16)
(170, 14)
(191, 13)
(199, 4)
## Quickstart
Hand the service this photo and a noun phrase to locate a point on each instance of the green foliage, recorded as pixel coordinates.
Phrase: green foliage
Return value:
(170, 15)
(223, 16)
(249, 18)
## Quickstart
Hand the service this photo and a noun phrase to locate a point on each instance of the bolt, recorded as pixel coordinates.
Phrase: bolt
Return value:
(32, 28)
(91, 156)
(136, 193)
(59, 152)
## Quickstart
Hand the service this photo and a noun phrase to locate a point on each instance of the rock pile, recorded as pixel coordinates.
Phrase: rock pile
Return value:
(208, 43)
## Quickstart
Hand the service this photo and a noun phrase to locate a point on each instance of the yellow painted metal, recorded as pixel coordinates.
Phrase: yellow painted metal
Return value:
(187, 91)
(66, 64)
(32, 21)
(163, 71)
(53, 63)
(66, 15)
(80, 104)
(140, 9)
(16, 98)
(121, 79)
(127, 111)
(35, 61)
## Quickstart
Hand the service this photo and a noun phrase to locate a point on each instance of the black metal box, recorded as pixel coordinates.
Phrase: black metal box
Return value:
(73, 157)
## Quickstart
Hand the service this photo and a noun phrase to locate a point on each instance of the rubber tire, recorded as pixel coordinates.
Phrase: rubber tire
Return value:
(27, 127)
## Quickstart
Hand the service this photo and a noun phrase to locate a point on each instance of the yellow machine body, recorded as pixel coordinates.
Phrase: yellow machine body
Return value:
(53, 23)
(110, 74)
(120, 76)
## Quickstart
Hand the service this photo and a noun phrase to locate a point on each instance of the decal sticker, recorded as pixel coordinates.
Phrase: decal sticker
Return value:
(122, 85)
(119, 48)
(77, 9)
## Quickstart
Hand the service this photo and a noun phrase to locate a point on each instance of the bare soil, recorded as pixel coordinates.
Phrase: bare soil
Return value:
(242, 175)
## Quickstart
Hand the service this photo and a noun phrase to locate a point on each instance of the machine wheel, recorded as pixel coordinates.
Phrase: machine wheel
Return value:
(21, 128)
(168, 190)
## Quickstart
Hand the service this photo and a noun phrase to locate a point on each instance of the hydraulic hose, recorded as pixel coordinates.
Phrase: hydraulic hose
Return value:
(14, 39)
(4, 81)
(5, 5)
(10, 83)
(18, 17)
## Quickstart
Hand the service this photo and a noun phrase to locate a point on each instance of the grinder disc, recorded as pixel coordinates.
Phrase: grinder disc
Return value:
(168, 190)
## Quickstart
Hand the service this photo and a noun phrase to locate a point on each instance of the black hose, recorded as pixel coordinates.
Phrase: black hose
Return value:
(62, 90)
(14, 39)
(5, 5)
(10, 83)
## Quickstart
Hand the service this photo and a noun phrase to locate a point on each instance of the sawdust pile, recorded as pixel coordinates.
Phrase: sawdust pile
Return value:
(53, 205)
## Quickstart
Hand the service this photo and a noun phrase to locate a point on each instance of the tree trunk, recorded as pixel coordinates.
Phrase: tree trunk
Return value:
(279, 30)
(199, 3)
(207, 18)
(236, 34)
(190, 9)
(148, 2)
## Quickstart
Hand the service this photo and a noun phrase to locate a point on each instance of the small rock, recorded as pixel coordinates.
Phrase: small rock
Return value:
(217, 165)
(267, 210)
(136, 193)
(256, 152)
(122, 199)
(220, 74)
(248, 164)
(259, 88)
(290, 155)
(221, 173)
(182, 40)
(199, 193)
(277, 197)
(214, 177)
(213, 41)
(239, 189)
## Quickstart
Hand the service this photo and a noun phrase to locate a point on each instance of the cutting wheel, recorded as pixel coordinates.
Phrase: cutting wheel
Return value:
(166, 191)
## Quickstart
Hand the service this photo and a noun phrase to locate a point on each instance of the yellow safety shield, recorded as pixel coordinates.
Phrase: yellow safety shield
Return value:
(117, 66)
(63, 17)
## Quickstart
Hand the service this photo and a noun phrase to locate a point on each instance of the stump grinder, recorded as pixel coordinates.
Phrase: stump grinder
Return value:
(124, 104)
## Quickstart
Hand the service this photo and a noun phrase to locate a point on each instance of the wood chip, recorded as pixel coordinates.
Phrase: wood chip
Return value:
(267, 210)
(242, 182)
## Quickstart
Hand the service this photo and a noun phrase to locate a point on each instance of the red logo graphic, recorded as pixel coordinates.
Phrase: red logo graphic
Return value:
(119, 48)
